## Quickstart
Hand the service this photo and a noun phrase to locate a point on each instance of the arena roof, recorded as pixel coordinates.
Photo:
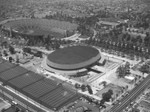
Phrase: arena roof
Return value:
(74, 57)
(39, 27)
(44, 91)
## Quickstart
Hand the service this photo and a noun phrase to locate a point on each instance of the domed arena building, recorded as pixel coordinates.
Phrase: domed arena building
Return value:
(40, 27)
(70, 60)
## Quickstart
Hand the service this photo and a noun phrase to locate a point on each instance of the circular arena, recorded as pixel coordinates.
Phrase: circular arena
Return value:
(41, 27)
(73, 58)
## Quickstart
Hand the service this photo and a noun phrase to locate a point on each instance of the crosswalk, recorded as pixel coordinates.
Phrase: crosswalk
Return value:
(112, 66)
(95, 77)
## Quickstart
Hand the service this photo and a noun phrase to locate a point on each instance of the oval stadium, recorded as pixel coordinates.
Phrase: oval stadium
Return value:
(71, 59)
(41, 27)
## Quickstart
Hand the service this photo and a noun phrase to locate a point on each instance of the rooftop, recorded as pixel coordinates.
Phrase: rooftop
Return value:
(12, 72)
(6, 66)
(73, 55)
(44, 91)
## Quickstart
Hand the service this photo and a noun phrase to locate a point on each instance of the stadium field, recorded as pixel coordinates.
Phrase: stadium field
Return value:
(41, 27)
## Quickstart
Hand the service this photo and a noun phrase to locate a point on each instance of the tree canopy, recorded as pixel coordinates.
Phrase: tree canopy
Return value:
(123, 70)
(144, 68)
(107, 96)
(12, 50)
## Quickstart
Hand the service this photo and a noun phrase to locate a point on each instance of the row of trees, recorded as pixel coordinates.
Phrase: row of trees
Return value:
(84, 88)
(126, 48)
(120, 34)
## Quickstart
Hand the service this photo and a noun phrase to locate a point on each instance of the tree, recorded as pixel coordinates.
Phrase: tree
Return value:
(104, 83)
(139, 38)
(10, 59)
(17, 109)
(77, 85)
(39, 54)
(83, 87)
(127, 67)
(11, 50)
(90, 89)
(128, 38)
(26, 49)
(110, 92)
(121, 73)
(102, 102)
(5, 53)
(3, 110)
(144, 68)
(17, 60)
(4, 44)
(107, 96)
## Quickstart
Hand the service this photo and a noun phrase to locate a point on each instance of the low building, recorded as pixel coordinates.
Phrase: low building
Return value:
(129, 79)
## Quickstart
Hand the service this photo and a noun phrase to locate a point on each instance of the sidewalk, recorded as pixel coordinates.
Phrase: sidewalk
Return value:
(120, 58)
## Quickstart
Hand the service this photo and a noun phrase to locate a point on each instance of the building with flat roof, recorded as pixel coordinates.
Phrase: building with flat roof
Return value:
(44, 93)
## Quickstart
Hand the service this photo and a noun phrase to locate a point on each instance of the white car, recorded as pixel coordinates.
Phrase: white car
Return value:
(119, 103)
(14, 102)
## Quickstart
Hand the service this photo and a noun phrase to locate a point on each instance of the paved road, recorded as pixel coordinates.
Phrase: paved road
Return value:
(26, 104)
(132, 95)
